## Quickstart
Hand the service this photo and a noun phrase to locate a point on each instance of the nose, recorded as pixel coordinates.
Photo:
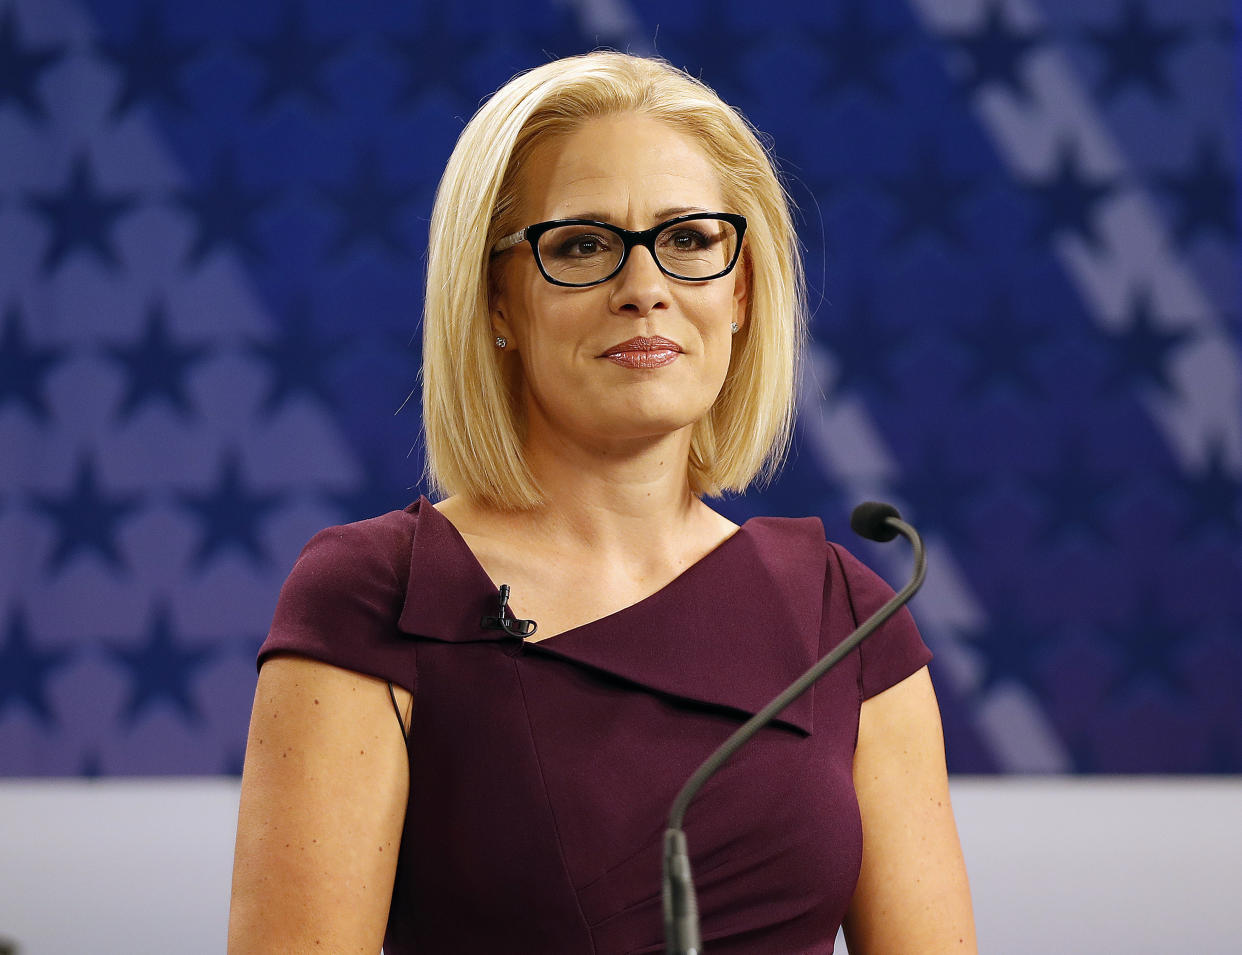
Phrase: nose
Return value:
(640, 287)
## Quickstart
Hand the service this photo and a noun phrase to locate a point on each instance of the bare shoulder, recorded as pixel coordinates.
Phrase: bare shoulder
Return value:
(332, 706)
(323, 800)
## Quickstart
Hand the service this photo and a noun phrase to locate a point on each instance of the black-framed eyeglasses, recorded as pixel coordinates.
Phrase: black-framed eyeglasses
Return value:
(580, 252)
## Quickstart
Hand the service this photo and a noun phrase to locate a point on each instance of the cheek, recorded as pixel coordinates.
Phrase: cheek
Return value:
(716, 313)
(552, 349)
(548, 331)
(723, 341)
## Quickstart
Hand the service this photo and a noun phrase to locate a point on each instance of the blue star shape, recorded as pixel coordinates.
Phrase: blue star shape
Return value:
(160, 670)
(1001, 351)
(294, 61)
(24, 368)
(857, 53)
(928, 198)
(1142, 351)
(994, 54)
(1067, 200)
(437, 57)
(230, 515)
(558, 33)
(150, 63)
(87, 518)
(224, 211)
(824, 183)
(22, 67)
(298, 359)
(25, 670)
(1212, 497)
(80, 217)
(376, 493)
(863, 350)
(712, 48)
(156, 367)
(369, 208)
(1149, 644)
(1009, 648)
(1206, 195)
(941, 498)
(1075, 496)
(1136, 52)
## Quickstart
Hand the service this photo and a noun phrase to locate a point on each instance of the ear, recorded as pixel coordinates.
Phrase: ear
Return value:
(501, 327)
(498, 309)
(741, 288)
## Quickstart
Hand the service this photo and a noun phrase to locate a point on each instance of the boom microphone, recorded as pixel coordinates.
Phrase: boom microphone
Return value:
(874, 521)
(870, 520)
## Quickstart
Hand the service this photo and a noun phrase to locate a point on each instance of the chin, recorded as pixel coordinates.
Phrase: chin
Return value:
(654, 422)
(634, 414)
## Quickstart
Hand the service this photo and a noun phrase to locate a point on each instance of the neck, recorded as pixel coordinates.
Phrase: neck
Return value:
(617, 498)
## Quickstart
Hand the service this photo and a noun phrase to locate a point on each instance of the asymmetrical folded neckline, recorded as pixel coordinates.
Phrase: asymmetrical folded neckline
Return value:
(634, 642)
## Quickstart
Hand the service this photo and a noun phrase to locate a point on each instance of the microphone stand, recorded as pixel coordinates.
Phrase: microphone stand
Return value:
(874, 521)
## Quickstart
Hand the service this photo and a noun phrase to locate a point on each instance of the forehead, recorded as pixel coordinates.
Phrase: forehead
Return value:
(626, 169)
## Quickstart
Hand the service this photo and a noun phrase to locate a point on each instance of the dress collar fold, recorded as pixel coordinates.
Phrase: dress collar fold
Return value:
(694, 639)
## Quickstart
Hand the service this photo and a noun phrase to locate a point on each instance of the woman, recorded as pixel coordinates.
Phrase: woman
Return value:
(613, 318)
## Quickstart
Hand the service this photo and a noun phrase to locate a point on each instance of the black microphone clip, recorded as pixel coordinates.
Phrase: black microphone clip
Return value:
(513, 626)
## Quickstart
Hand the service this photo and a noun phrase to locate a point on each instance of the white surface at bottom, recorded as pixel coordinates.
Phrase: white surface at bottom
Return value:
(134, 867)
(1056, 864)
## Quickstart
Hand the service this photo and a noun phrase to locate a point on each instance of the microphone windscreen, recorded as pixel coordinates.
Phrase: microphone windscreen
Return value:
(870, 520)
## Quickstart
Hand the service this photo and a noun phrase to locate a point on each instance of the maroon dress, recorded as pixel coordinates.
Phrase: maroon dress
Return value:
(541, 773)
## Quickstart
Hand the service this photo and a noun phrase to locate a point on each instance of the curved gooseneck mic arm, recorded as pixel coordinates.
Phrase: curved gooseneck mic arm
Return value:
(875, 521)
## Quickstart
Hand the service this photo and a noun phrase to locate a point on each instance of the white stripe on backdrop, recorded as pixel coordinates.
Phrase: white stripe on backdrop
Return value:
(1073, 866)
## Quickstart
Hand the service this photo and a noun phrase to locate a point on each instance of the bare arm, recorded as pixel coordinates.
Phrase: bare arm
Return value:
(912, 893)
(323, 800)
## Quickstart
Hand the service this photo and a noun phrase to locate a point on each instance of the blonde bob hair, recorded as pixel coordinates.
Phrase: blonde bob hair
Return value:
(472, 416)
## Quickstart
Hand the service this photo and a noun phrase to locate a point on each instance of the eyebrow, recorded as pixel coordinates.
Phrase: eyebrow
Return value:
(661, 215)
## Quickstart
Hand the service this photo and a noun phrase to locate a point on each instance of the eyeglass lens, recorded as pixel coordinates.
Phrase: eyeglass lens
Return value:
(583, 254)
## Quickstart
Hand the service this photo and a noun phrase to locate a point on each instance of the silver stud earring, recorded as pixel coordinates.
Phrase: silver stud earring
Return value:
(501, 342)
(733, 327)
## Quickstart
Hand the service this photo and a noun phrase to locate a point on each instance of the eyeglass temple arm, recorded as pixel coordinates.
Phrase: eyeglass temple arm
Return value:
(509, 241)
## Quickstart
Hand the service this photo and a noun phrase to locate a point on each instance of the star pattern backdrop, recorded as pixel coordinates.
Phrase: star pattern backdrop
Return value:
(1021, 227)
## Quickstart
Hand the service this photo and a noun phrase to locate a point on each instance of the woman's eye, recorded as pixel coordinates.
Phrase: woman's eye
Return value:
(582, 246)
(687, 240)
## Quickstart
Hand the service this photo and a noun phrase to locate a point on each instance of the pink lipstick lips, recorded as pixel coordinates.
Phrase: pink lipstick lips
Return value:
(643, 352)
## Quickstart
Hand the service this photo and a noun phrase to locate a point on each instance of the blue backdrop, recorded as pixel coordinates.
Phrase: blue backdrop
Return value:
(1020, 222)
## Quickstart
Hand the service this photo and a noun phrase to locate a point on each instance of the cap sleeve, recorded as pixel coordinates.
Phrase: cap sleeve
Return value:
(895, 650)
(341, 601)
